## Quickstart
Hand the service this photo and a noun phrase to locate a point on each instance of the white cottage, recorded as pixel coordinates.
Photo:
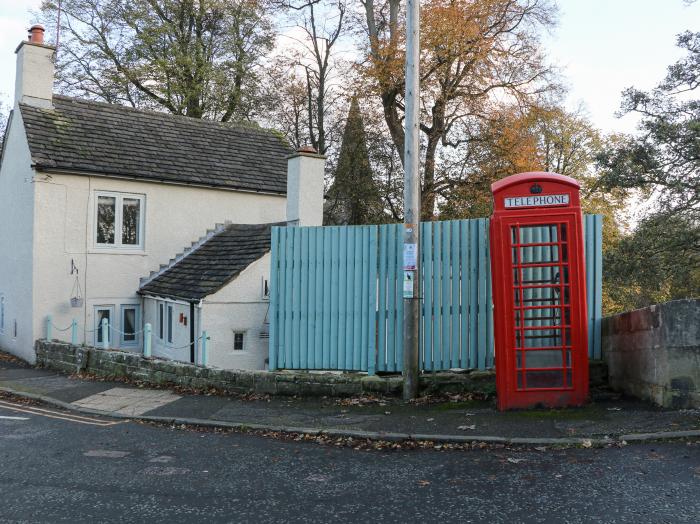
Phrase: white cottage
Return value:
(94, 197)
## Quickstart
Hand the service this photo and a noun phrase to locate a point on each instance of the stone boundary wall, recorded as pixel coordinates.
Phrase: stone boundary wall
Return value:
(654, 353)
(63, 357)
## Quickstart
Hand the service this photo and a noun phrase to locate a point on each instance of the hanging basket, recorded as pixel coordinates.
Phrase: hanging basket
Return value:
(76, 300)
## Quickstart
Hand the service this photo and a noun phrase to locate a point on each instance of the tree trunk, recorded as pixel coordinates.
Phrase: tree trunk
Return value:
(428, 193)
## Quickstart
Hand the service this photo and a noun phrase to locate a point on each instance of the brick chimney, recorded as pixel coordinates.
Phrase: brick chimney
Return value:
(35, 70)
(305, 187)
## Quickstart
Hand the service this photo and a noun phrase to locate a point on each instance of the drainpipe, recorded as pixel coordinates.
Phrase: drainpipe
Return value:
(192, 335)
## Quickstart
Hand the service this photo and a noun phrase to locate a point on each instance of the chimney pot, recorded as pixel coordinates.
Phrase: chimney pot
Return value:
(36, 34)
(307, 149)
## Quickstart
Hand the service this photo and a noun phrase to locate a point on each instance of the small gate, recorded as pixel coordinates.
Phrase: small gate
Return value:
(337, 297)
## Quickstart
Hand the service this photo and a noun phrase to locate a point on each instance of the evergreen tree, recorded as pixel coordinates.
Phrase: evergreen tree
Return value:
(354, 197)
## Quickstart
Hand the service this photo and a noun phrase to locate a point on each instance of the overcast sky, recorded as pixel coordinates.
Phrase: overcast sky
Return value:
(602, 47)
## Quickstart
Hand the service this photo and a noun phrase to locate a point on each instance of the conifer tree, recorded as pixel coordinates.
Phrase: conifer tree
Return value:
(353, 197)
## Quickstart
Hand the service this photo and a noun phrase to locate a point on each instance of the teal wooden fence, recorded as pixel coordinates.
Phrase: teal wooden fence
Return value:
(336, 296)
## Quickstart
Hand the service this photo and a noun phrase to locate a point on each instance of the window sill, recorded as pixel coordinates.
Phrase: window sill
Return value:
(117, 251)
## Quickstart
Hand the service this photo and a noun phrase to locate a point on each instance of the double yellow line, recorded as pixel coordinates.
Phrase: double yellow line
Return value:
(57, 414)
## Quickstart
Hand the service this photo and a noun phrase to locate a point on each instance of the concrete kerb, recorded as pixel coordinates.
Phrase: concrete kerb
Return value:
(370, 435)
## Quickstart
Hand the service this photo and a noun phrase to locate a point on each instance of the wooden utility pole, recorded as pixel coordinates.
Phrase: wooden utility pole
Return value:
(411, 215)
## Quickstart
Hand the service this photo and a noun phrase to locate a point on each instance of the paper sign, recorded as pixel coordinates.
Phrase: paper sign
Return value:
(410, 252)
(408, 277)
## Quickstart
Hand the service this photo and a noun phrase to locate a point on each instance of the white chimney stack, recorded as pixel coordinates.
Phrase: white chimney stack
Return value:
(305, 188)
(35, 70)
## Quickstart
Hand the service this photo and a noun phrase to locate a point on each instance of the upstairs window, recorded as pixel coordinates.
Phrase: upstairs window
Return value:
(119, 220)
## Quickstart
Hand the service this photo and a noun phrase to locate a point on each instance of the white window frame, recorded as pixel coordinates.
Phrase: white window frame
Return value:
(137, 324)
(242, 333)
(98, 328)
(165, 316)
(118, 212)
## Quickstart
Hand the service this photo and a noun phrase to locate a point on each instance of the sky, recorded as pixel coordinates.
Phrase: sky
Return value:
(601, 47)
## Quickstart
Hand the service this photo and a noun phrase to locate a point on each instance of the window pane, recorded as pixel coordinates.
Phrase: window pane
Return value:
(106, 207)
(129, 324)
(131, 221)
(160, 321)
(238, 341)
(170, 323)
(102, 313)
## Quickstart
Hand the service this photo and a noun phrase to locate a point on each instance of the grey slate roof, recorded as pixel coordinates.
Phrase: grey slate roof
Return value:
(112, 140)
(212, 265)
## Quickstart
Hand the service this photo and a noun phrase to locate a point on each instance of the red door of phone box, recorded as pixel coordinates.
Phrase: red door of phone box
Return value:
(539, 291)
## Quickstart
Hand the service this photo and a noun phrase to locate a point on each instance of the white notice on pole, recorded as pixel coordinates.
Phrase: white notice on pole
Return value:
(410, 252)
(408, 277)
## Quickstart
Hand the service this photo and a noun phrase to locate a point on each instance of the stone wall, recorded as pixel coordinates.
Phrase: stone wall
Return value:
(654, 353)
(65, 358)
(114, 364)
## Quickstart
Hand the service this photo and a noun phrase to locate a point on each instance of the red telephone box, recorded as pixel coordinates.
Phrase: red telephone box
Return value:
(539, 291)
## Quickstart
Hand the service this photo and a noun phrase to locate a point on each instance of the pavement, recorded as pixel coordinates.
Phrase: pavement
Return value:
(607, 419)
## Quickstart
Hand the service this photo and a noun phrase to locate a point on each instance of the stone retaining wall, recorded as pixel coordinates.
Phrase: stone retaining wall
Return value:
(65, 358)
(654, 353)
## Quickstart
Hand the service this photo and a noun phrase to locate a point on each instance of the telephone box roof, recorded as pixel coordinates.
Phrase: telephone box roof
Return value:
(533, 176)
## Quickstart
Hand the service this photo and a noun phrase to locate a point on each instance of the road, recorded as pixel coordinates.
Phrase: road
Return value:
(58, 467)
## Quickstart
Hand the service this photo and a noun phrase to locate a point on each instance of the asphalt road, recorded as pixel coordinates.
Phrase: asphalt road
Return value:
(80, 469)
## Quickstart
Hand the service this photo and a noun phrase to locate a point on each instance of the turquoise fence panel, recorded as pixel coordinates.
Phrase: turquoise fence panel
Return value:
(337, 296)
(593, 234)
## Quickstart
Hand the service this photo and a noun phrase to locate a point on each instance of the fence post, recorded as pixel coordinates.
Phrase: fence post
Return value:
(204, 357)
(147, 340)
(48, 327)
(105, 333)
(74, 332)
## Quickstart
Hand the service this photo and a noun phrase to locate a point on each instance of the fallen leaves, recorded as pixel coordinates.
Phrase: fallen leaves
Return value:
(466, 428)
(363, 400)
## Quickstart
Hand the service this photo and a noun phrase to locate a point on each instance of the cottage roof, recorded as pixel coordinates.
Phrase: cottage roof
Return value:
(88, 137)
(212, 264)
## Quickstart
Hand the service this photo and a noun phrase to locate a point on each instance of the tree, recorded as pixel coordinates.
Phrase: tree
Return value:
(664, 160)
(4, 121)
(539, 138)
(473, 54)
(311, 63)
(353, 197)
(199, 58)
(660, 259)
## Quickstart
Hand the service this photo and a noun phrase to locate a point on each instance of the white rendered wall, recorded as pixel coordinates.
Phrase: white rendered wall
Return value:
(16, 220)
(238, 307)
(175, 216)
